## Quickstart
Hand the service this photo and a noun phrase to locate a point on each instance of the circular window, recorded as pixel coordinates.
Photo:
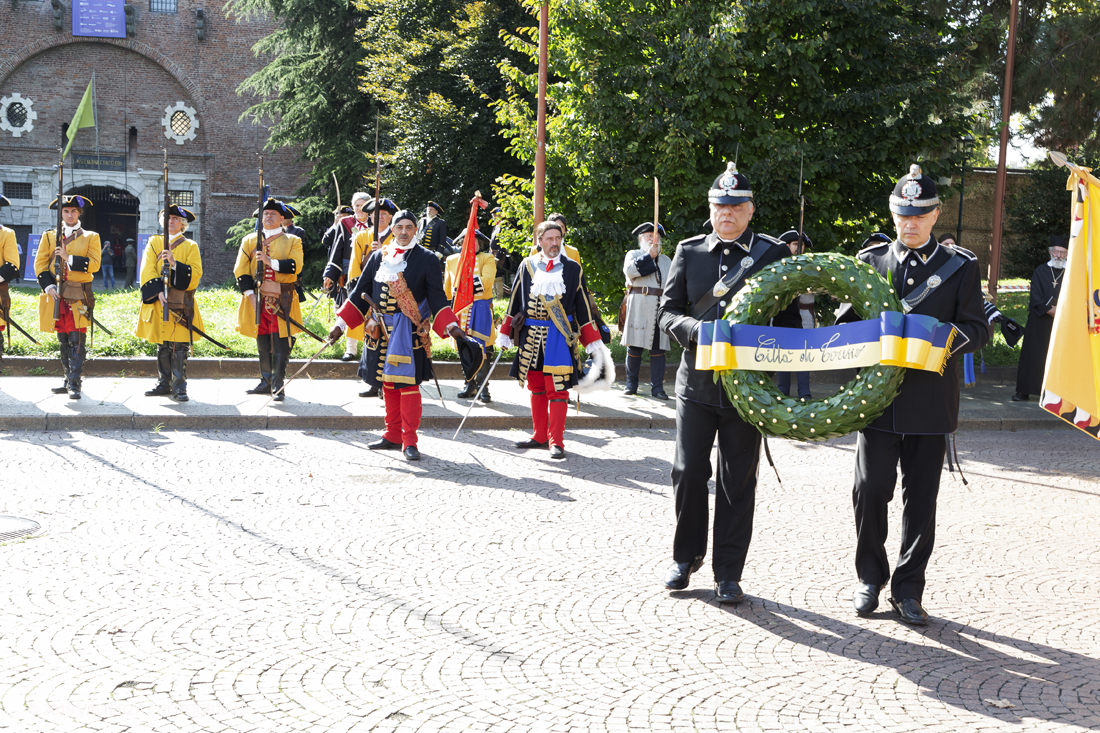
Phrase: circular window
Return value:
(180, 123)
(17, 115)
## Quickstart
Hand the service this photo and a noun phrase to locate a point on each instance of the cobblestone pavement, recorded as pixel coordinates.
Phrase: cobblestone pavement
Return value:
(292, 581)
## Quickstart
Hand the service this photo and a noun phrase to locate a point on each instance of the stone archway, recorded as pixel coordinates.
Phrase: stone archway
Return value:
(113, 215)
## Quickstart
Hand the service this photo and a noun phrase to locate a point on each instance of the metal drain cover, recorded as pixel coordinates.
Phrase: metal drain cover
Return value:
(12, 528)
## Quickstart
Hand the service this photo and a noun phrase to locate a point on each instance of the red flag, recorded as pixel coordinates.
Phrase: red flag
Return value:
(464, 278)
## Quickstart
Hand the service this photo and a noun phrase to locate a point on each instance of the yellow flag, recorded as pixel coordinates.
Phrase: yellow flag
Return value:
(1071, 386)
(84, 117)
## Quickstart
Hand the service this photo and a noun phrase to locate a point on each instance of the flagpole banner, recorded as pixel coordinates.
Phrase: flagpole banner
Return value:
(84, 117)
(895, 339)
(1071, 383)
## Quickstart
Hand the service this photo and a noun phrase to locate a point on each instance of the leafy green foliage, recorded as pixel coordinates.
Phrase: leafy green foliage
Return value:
(675, 89)
(434, 65)
(1036, 211)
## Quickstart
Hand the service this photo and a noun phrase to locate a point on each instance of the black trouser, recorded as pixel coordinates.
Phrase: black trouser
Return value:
(72, 357)
(178, 363)
(164, 364)
(877, 456)
(274, 353)
(735, 495)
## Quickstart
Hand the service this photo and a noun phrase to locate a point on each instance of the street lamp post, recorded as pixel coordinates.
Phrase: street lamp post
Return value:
(967, 144)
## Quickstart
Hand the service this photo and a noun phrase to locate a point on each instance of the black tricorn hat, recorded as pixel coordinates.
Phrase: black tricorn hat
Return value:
(273, 205)
(4, 201)
(791, 235)
(437, 207)
(481, 238)
(177, 210)
(471, 356)
(914, 194)
(385, 205)
(877, 238)
(344, 210)
(291, 211)
(646, 228)
(78, 201)
(730, 188)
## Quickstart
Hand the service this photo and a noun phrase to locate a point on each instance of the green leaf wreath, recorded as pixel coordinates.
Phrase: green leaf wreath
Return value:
(858, 402)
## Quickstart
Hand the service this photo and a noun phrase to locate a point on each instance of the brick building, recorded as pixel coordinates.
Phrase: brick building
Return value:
(160, 86)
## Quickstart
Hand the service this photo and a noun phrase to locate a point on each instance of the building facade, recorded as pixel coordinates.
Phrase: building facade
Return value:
(170, 83)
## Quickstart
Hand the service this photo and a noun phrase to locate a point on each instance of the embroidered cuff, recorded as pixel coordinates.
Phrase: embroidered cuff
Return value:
(246, 284)
(78, 264)
(8, 272)
(443, 320)
(181, 276)
(350, 315)
(287, 267)
(46, 279)
(151, 289)
(589, 333)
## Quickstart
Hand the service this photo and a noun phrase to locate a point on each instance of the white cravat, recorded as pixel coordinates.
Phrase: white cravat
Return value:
(393, 263)
(548, 284)
(68, 230)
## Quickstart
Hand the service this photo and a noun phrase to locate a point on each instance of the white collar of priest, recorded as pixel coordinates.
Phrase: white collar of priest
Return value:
(1056, 264)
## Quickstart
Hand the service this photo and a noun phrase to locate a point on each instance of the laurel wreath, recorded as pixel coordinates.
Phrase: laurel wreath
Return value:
(858, 402)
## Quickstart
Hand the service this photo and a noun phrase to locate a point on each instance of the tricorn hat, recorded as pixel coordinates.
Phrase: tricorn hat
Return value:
(877, 238)
(914, 194)
(385, 205)
(344, 210)
(481, 238)
(646, 228)
(291, 211)
(791, 235)
(730, 188)
(471, 356)
(176, 210)
(273, 205)
(4, 201)
(78, 201)
(437, 207)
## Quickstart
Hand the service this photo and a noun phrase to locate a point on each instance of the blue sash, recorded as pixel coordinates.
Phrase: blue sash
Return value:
(400, 367)
(480, 324)
(557, 357)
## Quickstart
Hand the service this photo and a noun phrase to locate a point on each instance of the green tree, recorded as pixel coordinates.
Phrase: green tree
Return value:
(677, 88)
(1036, 212)
(434, 65)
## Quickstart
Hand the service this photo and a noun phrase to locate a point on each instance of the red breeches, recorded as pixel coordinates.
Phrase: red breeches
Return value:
(403, 410)
(548, 408)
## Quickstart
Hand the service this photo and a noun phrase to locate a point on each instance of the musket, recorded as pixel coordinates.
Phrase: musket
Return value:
(165, 271)
(260, 272)
(801, 201)
(479, 391)
(377, 183)
(656, 203)
(58, 238)
(327, 343)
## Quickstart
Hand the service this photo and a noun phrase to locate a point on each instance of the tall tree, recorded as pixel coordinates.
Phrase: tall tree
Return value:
(677, 88)
(434, 65)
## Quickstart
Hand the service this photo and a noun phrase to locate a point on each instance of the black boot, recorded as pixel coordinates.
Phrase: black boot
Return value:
(633, 369)
(179, 372)
(657, 376)
(77, 344)
(63, 340)
(483, 376)
(164, 371)
(469, 390)
(280, 359)
(263, 348)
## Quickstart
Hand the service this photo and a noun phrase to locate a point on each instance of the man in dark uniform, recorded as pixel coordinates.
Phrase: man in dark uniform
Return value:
(432, 231)
(335, 277)
(1042, 304)
(730, 254)
(404, 281)
(290, 228)
(942, 282)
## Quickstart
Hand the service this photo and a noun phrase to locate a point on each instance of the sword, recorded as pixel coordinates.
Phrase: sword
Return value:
(500, 352)
(316, 302)
(87, 313)
(324, 346)
(195, 329)
(286, 317)
(7, 317)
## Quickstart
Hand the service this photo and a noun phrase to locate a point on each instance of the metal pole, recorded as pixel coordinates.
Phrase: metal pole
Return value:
(1002, 172)
(95, 122)
(962, 195)
(540, 150)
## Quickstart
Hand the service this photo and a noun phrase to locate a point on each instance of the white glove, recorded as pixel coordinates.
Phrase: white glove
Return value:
(593, 347)
(504, 342)
(51, 292)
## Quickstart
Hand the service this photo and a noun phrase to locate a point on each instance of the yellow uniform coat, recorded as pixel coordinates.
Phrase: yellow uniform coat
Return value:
(86, 246)
(285, 247)
(9, 254)
(151, 325)
(486, 270)
(361, 249)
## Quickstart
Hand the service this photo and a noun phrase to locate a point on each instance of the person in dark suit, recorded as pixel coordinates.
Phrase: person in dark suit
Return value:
(1046, 284)
(432, 231)
(932, 280)
(730, 254)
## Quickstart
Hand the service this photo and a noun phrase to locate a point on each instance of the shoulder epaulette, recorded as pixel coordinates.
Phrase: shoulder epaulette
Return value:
(692, 240)
(960, 250)
(770, 238)
(876, 245)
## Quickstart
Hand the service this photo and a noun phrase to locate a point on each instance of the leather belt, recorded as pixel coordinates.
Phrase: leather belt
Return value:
(644, 291)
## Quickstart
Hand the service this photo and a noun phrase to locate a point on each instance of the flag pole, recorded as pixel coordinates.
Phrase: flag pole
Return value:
(95, 122)
(540, 149)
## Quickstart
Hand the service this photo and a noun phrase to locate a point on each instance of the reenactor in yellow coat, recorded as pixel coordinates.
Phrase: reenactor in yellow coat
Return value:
(79, 252)
(9, 270)
(476, 320)
(363, 246)
(173, 336)
(281, 256)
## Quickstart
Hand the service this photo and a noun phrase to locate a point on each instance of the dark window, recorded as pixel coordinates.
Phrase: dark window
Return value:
(18, 190)
(182, 198)
(162, 6)
(131, 149)
(17, 114)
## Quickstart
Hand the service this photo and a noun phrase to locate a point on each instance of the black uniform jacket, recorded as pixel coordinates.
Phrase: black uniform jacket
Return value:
(928, 403)
(424, 279)
(434, 234)
(698, 264)
(341, 248)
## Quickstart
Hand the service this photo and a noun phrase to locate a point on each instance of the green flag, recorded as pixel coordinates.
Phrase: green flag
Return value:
(84, 117)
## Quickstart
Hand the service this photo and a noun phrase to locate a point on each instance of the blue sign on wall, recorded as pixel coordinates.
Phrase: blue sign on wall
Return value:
(100, 18)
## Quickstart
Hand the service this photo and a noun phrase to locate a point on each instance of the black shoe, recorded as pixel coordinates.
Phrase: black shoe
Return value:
(468, 393)
(660, 395)
(728, 591)
(261, 388)
(911, 611)
(62, 389)
(556, 451)
(347, 356)
(74, 393)
(865, 598)
(372, 392)
(1018, 397)
(159, 391)
(411, 453)
(383, 444)
(279, 397)
(630, 390)
(179, 397)
(485, 398)
(678, 575)
(531, 443)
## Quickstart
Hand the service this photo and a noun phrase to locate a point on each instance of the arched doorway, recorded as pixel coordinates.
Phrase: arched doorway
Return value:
(113, 215)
